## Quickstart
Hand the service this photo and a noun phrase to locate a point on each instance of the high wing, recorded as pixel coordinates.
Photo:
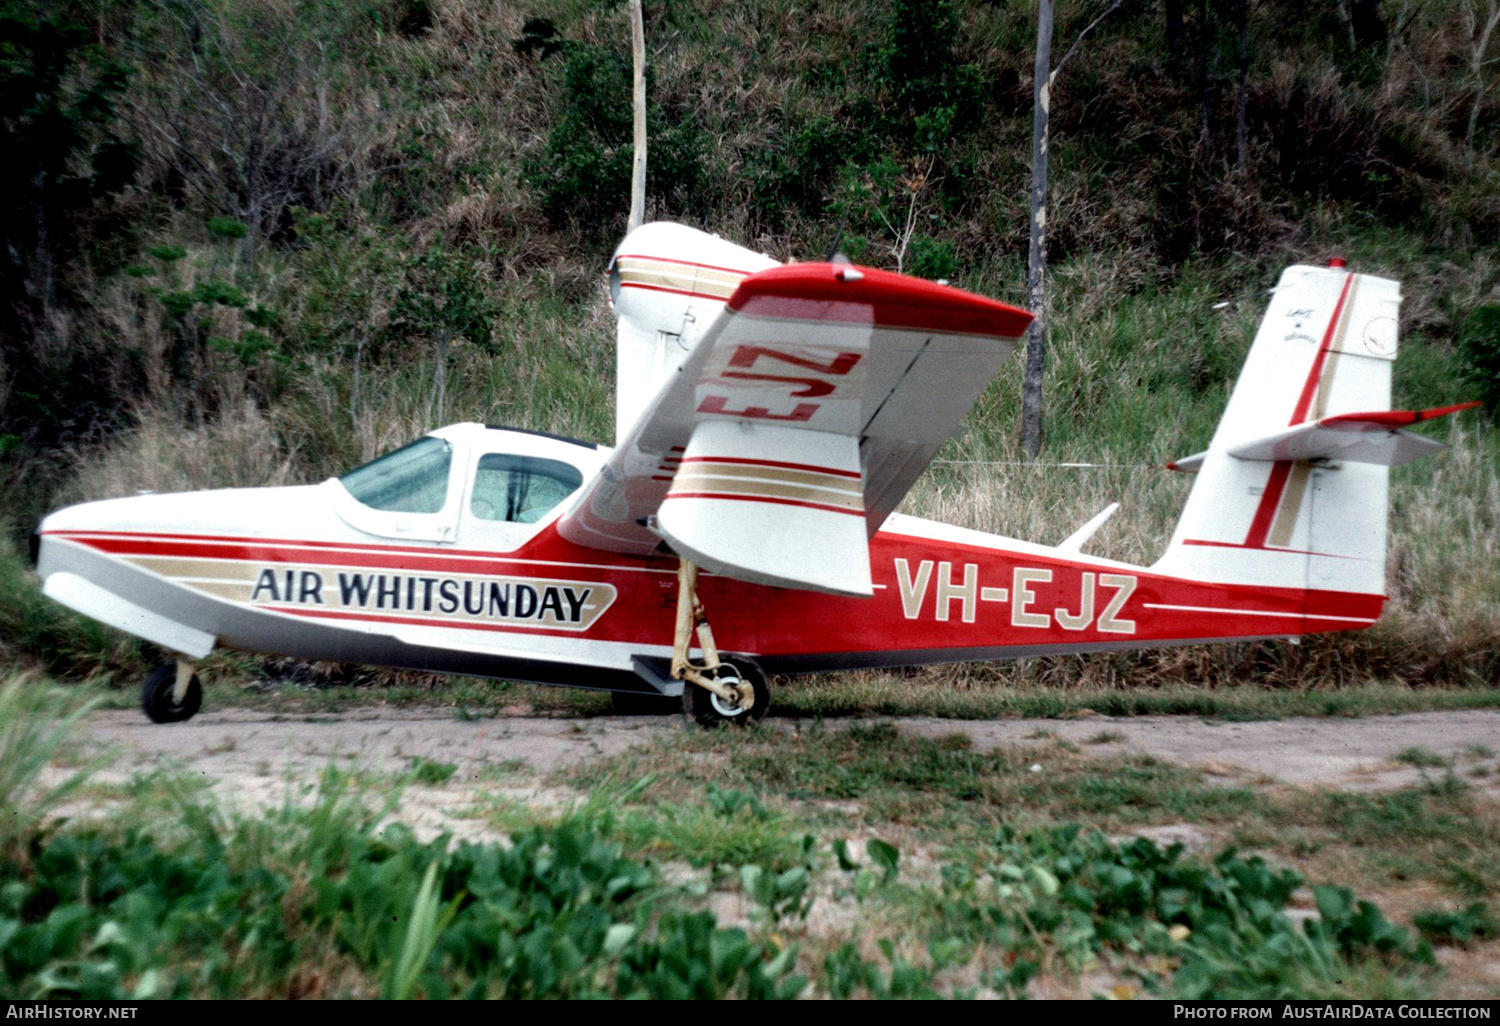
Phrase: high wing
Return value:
(802, 415)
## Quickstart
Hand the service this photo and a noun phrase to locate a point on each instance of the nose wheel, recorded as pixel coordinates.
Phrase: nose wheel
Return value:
(172, 692)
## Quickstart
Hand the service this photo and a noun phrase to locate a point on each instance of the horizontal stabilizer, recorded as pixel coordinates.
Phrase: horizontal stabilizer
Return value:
(1374, 437)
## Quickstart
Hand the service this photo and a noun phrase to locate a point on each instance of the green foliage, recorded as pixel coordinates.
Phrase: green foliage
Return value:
(885, 855)
(227, 228)
(846, 973)
(1224, 924)
(36, 631)
(35, 726)
(430, 772)
(443, 296)
(796, 169)
(1479, 349)
(784, 894)
(233, 907)
(58, 92)
(210, 292)
(1423, 758)
(583, 177)
(539, 38)
(1458, 926)
(931, 89)
(932, 258)
(68, 160)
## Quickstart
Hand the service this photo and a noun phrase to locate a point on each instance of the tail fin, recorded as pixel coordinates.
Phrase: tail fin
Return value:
(1276, 503)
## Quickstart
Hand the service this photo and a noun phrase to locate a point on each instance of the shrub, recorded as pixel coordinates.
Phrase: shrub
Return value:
(1479, 348)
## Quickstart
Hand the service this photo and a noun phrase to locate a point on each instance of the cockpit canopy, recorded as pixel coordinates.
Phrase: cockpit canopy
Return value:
(490, 484)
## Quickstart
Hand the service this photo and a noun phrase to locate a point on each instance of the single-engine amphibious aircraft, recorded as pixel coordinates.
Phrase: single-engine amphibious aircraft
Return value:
(770, 419)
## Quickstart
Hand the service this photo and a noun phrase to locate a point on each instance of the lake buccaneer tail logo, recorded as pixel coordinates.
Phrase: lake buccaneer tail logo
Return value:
(462, 599)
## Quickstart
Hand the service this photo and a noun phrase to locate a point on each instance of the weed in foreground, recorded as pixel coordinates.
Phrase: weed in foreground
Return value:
(328, 900)
(35, 722)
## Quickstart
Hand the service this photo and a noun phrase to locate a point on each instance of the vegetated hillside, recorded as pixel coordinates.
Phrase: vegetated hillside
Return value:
(260, 241)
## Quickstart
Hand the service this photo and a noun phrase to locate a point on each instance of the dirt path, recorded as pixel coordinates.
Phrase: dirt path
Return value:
(245, 749)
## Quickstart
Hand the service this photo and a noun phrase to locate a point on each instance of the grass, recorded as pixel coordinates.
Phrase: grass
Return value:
(1441, 834)
(965, 693)
(1422, 758)
(838, 860)
(979, 833)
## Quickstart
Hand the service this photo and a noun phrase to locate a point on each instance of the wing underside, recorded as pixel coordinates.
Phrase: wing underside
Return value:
(796, 424)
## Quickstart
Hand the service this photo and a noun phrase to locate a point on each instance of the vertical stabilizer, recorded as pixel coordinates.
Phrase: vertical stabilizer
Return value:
(1324, 348)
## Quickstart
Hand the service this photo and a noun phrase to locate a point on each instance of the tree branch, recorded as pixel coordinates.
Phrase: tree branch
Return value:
(1051, 78)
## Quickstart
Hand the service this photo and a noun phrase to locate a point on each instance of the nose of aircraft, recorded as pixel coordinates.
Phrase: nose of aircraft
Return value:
(122, 561)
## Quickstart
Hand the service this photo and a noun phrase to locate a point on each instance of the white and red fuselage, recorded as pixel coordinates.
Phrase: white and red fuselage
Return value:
(770, 419)
(280, 570)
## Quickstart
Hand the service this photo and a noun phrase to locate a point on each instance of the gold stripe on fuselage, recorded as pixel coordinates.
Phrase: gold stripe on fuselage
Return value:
(746, 486)
(778, 475)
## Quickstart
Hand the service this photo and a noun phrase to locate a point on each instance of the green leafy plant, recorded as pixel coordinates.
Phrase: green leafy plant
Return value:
(1474, 922)
(1479, 349)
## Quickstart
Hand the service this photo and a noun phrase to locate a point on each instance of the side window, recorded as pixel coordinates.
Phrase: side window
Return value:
(413, 479)
(520, 489)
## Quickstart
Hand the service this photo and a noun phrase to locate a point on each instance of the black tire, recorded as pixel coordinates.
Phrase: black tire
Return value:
(641, 703)
(156, 696)
(707, 709)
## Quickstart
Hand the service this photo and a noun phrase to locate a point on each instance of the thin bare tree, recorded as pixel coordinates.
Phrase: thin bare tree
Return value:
(1045, 75)
(638, 160)
(238, 106)
(1480, 26)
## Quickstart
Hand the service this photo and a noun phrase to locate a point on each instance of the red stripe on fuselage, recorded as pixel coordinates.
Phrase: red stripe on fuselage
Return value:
(787, 622)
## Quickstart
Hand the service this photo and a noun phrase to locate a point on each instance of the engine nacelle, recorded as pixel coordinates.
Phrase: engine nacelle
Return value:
(668, 283)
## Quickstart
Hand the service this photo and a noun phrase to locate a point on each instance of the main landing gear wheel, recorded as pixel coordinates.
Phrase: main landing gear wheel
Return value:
(709, 710)
(164, 701)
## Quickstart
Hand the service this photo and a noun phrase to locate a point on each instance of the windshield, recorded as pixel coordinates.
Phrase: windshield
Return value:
(413, 479)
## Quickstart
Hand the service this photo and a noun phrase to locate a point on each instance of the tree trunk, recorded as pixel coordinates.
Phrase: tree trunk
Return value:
(1036, 335)
(1241, 131)
(1174, 35)
(1205, 126)
(638, 162)
(1479, 46)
